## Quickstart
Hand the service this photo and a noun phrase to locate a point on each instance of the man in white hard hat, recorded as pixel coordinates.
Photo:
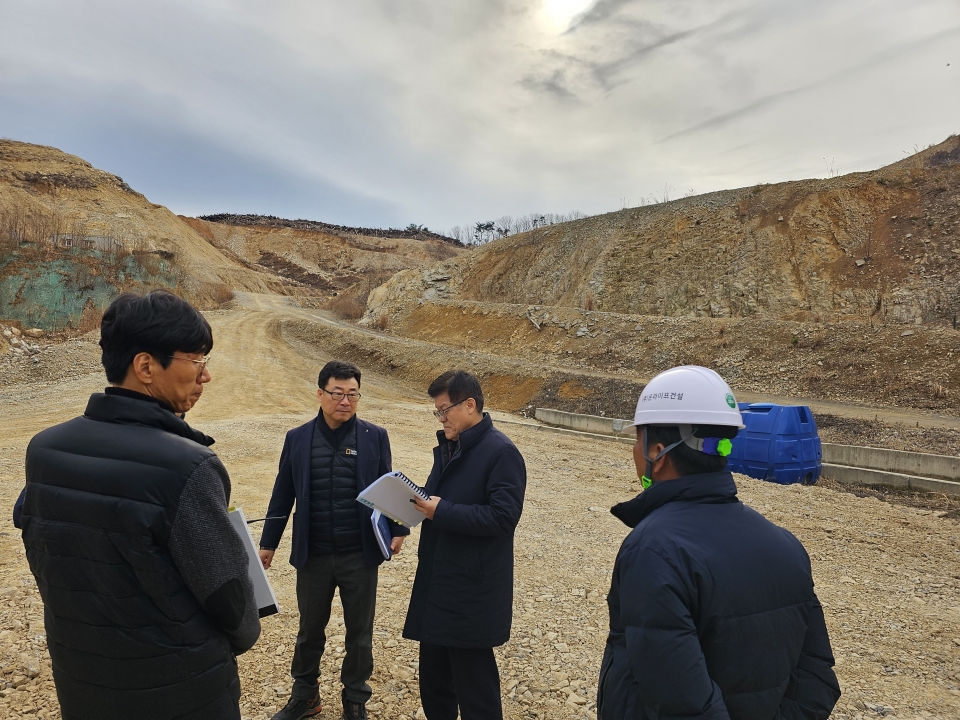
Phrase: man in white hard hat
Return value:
(712, 608)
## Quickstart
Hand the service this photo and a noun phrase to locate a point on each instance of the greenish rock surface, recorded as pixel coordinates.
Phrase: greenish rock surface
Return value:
(53, 293)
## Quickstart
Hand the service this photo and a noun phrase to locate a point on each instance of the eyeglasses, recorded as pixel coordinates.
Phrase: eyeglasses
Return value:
(201, 364)
(339, 396)
(441, 415)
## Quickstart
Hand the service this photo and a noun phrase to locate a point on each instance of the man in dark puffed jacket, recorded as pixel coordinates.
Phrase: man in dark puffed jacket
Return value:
(144, 581)
(324, 465)
(461, 606)
(713, 615)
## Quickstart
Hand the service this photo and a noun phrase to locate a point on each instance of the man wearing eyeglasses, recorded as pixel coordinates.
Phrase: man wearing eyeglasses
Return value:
(323, 467)
(145, 583)
(461, 606)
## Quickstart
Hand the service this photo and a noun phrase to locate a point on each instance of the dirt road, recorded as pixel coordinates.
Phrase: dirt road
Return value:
(887, 575)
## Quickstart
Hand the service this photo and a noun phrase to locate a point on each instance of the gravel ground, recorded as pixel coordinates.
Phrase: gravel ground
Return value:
(886, 573)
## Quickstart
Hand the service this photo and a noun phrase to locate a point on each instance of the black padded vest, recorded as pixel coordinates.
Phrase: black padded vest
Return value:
(126, 636)
(334, 511)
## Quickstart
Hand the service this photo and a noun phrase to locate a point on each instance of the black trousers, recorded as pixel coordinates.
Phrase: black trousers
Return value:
(316, 582)
(459, 678)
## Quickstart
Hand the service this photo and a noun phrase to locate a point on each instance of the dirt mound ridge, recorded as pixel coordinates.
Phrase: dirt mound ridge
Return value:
(419, 233)
(322, 263)
(882, 244)
(73, 236)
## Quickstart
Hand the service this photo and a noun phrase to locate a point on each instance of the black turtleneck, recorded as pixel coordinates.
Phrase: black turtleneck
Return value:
(134, 395)
(334, 436)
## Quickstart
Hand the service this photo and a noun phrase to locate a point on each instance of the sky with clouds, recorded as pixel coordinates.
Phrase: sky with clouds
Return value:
(387, 112)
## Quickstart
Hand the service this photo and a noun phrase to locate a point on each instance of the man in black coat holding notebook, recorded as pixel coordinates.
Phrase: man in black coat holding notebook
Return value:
(323, 467)
(461, 606)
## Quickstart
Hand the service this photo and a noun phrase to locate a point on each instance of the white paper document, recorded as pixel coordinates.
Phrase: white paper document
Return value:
(263, 593)
(392, 494)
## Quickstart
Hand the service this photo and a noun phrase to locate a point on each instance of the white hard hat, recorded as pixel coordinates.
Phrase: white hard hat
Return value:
(688, 395)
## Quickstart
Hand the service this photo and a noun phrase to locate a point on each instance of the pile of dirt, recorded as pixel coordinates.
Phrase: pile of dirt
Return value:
(842, 289)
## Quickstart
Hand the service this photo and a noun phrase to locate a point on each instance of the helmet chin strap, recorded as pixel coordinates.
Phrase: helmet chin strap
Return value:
(647, 480)
(708, 446)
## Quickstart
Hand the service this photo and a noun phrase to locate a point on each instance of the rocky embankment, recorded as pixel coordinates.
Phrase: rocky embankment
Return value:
(880, 246)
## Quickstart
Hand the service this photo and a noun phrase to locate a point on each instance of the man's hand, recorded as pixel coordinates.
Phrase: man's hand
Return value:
(396, 543)
(427, 507)
(266, 557)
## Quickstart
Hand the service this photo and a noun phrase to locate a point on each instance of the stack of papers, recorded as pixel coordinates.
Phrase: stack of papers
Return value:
(392, 494)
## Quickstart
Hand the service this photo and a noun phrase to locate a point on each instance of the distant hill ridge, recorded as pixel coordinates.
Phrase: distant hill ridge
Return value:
(271, 221)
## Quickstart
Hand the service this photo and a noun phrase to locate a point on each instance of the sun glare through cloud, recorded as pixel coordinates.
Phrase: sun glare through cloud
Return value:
(557, 15)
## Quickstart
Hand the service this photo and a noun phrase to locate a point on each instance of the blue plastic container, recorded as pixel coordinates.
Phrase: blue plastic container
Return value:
(780, 443)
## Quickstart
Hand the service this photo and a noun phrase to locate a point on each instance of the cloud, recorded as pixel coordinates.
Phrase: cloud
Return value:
(555, 84)
(870, 64)
(158, 155)
(383, 113)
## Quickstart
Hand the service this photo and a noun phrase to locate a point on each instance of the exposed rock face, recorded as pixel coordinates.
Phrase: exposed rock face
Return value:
(883, 245)
(72, 237)
(318, 258)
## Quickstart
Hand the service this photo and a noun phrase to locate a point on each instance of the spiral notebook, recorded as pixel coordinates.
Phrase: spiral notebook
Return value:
(391, 495)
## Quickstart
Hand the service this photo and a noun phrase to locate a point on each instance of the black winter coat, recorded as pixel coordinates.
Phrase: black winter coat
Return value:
(463, 591)
(712, 613)
(145, 583)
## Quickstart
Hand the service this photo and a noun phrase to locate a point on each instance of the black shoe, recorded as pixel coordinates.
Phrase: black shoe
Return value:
(354, 711)
(300, 707)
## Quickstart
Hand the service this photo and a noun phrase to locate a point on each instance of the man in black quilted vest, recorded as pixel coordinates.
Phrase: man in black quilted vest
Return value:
(145, 585)
(324, 465)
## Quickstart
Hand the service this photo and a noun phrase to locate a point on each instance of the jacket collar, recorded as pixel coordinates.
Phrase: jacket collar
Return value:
(469, 438)
(717, 487)
(126, 410)
(335, 436)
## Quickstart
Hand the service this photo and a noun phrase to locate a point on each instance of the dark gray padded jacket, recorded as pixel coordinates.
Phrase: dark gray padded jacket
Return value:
(144, 581)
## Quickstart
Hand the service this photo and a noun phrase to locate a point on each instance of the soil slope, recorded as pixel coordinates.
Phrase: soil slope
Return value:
(844, 289)
(319, 259)
(883, 244)
(73, 236)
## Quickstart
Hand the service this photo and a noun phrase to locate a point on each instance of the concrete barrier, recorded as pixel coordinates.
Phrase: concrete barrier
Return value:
(944, 467)
(552, 429)
(865, 476)
(587, 423)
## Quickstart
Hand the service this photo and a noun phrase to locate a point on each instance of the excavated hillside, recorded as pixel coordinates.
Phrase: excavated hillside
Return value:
(883, 244)
(840, 289)
(73, 236)
(321, 261)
